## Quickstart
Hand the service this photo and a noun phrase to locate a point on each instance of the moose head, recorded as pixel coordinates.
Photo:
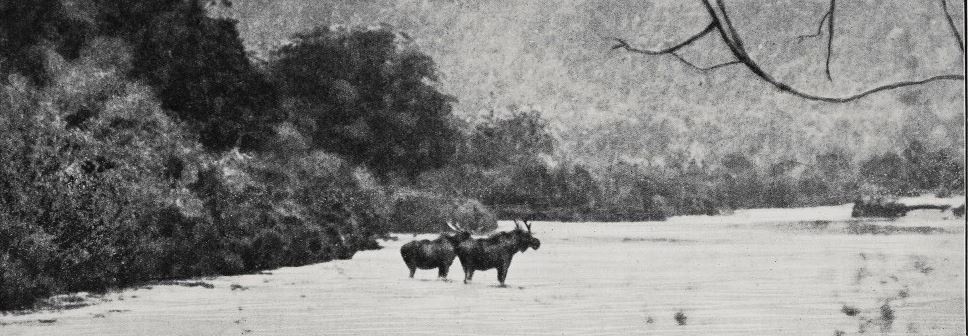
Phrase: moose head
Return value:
(524, 238)
(460, 234)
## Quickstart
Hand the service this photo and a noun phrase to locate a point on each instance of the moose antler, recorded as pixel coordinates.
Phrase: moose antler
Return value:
(527, 225)
(516, 224)
(455, 227)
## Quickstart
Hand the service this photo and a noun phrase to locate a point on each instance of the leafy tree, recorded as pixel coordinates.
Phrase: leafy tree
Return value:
(932, 169)
(887, 171)
(577, 187)
(832, 178)
(202, 74)
(365, 95)
(27, 24)
(509, 139)
(740, 185)
(197, 64)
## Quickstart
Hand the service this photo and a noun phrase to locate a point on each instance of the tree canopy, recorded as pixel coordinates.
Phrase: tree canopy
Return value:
(365, 94)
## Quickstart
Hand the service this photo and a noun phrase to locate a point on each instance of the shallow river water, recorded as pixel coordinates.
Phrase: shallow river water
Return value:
(756, 272)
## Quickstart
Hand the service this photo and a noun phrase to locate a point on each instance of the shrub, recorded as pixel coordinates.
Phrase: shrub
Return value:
(474, 215)
(80, 164)
(422, 212)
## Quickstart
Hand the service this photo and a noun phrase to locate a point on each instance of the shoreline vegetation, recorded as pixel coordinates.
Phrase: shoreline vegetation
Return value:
(143, 142)
(886, 208)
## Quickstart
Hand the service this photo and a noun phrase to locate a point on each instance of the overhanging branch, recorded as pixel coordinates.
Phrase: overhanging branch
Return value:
(729, 35)
(885, 87)
(732, 39)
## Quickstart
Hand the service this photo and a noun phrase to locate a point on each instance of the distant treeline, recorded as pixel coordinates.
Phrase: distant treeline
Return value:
(513, 165)
(139, 140)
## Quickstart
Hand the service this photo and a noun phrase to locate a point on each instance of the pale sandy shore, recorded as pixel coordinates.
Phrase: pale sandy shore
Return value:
(756, 272)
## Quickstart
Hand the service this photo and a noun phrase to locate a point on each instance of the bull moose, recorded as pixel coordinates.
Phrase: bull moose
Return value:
(495, 251)
(429, 254)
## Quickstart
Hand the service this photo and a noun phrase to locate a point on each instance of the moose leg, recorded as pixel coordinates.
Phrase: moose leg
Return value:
(412, 266)
(442, 271)
(468, 274)
(502, 272)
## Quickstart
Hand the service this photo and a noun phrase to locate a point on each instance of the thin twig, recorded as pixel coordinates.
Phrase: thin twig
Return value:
(669, 51)
(686, 42)
(830, 38)
(711, 67)
(622, 44)
(717, 66)
(951, 24)
(819, 27)
(827, 18)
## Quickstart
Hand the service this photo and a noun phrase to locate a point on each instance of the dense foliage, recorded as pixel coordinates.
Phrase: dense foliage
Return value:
(363, 94)
(142, 143)
(196, 64)
(201, 72)
(81, 163)
(102, 188)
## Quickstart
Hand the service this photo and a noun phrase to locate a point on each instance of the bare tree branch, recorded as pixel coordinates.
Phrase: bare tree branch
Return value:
(731, 37)
(672, 51)
(885, 87)
(828, 18)
(708, 68)
(830, 38)
(694, 66)
(819, 27)
(951, 24)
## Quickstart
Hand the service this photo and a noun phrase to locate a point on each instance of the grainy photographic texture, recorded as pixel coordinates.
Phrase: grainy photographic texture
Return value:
(514, 167)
